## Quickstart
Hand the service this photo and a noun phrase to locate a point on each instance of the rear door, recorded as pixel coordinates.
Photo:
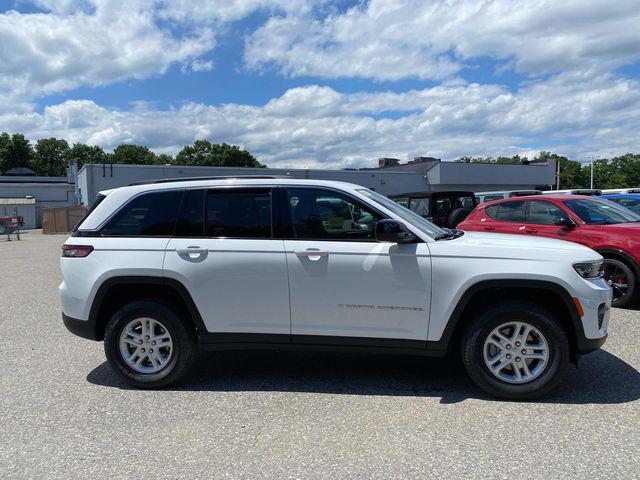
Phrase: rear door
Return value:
(504, 217)
(225, 255)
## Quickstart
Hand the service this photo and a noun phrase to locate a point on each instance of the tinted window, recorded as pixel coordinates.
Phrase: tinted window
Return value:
(420, 206)
(543, 213)
(150, 214)
(402, 201)
(507, 211)
(328, 215)
(239, 213)
(191, 222)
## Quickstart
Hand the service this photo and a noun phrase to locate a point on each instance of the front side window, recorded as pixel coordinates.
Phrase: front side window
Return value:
(543, 213)
(150, 214)
(601, 212)
(327, 215)
(239, 213)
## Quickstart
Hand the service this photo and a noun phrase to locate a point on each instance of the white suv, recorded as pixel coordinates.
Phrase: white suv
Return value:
(161, 269)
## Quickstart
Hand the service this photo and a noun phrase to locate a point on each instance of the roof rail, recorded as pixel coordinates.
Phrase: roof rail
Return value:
(194, 179)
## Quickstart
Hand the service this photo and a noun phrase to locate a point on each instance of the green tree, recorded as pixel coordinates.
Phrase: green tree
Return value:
(82, 154)
(164, 159)
(15, 151)
(50, 157)
(205, 153)
(133, 154)
(5, 143)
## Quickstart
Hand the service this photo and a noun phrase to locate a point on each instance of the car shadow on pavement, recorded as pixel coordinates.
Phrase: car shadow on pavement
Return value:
(602, 377)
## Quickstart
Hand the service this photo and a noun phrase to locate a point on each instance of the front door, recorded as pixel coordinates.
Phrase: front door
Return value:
(225, 255)
(540, 218)
(345, 285)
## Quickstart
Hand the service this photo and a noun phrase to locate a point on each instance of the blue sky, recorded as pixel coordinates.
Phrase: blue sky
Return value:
(335, 84)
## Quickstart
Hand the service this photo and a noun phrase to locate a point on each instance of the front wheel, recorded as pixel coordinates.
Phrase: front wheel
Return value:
(622, 281)
(148, 344)
(516, 351)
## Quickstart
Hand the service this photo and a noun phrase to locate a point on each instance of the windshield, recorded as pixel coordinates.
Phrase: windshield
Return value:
(414, 219)
(601, 212)
(632, 204)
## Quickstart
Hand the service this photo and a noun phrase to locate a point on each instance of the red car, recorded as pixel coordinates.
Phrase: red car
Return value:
(611, 230)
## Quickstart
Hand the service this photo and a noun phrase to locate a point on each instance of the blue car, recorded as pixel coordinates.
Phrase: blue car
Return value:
(631, 201)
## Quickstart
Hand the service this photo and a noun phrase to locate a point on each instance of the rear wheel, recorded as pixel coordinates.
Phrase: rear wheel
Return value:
(516, 351)
(148, 344)
(622, 280)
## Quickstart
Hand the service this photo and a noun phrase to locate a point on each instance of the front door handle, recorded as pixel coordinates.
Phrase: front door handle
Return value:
(191, 250)
(489, 229)
(312, 253)
(531, 230)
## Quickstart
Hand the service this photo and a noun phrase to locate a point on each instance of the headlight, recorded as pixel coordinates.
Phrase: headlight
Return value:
(589, 269)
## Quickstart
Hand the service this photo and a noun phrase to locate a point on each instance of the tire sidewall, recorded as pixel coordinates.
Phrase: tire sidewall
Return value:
(174, 325)
(473, 351)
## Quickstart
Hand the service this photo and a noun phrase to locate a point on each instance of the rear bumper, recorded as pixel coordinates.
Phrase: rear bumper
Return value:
(81, 328)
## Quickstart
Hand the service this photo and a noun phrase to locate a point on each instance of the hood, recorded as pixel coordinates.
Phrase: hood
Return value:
(504, 246)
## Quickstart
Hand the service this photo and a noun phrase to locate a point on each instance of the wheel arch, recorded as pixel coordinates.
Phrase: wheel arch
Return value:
(623, 256)
(481, 295)
(115, 292)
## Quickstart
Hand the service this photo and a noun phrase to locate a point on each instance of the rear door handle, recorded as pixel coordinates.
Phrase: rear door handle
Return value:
(192, 250)
(311, 252)
(489, 229)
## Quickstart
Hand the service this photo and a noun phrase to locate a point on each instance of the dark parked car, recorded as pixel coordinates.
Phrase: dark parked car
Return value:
(445, 209)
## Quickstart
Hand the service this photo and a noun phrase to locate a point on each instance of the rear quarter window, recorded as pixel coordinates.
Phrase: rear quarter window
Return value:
(150, 214)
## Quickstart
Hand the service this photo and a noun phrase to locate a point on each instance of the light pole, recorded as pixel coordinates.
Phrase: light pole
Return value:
(591, 173)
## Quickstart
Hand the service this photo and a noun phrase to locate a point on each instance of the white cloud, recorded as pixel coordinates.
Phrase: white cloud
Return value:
(68, 47)
(73, 43)
(395, 39)
(320, 127)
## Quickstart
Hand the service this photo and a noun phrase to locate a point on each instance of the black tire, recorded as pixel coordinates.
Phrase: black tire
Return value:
(456, 216)
(183, 336)
(612, 264)
(479, 329)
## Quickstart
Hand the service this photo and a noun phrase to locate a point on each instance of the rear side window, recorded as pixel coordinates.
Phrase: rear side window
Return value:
(543, 213)
(151, 214)
(420, 206)
(507, 211)
(239, 213)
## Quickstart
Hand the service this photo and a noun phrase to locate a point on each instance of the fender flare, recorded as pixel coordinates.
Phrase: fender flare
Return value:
(456, 316)
(97, 324)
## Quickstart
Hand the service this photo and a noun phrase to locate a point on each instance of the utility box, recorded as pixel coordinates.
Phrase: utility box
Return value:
(61, 219)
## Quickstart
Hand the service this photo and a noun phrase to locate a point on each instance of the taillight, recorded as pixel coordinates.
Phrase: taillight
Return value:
(76, 251)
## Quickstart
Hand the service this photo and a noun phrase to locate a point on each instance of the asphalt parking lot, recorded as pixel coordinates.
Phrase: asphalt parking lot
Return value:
(63, 414)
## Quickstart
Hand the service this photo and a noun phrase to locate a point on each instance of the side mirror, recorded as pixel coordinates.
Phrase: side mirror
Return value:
(394, 232)
(564, 222)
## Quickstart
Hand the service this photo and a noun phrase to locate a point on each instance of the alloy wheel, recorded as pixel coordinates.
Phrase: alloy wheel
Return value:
(516, 352)
(616, 277)
(146, 345)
